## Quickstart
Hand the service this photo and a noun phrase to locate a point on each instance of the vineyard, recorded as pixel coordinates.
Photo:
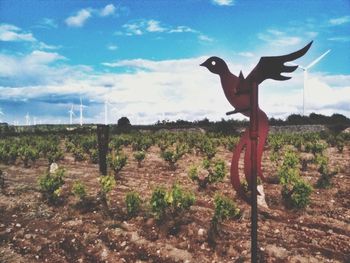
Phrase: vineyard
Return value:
(168, 198)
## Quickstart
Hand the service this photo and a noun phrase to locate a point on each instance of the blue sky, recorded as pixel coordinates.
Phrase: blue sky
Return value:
(143, 57)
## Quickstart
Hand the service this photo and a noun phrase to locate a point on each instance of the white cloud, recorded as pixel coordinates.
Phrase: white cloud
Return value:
(79, 19)
(223, 2)
(47, 23)
(246, 54)
(339, 39)
(154, 26)
(176, 89)
(279, 38)
(108, 10)
(205, 38)
(12, 33)
(112, 47)
(134, 29)
(142, 27)
(182, 29)
(339, 20)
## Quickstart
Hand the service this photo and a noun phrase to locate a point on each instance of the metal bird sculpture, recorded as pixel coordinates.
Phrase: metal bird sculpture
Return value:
(237, 91)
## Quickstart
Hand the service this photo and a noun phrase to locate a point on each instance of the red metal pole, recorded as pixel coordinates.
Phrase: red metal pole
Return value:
(254, 145)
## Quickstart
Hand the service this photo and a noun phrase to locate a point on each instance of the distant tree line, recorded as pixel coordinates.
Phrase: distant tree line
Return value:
(336, 122)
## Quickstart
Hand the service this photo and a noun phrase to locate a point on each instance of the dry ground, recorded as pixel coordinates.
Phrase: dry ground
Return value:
(33, 231)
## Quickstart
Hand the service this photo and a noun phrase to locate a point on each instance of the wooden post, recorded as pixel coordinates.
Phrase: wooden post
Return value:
(102, 139)
(254, 145)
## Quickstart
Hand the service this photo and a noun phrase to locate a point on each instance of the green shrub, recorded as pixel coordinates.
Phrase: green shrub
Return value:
(315, 147)
(193, 173)
(78, 154)
(94, 155)
(295, 191)
(139, 157)
(215, 172)
(54, 156)
(79, 190)
(299, 196)
(172, 156)
(133, 203)
(231, 143)
(172, 203)
(117, 162)
(218, 172)
(224, 208)
(107, 183)
(179, 200)
(50, 184)
(27, 153)
(158, 202)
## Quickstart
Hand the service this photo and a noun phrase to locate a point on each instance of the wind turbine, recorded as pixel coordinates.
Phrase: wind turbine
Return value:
(1, 113)
(306, 69)
(81, 111)
(71, 114)
(34, 120)
(27, 119)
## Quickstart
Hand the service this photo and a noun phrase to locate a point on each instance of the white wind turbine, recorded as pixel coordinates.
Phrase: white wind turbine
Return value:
(34, 120)
(306, 69)
(71, 114)
(81, 111)
(27, 119)
(1, 113)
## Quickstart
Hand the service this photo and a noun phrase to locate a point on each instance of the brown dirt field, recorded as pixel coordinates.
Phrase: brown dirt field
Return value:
(33, 231)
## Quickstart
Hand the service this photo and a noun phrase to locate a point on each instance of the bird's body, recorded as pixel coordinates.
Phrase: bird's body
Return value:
(237, 92)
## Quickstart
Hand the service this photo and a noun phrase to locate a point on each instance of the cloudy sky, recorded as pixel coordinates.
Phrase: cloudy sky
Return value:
(143, 57)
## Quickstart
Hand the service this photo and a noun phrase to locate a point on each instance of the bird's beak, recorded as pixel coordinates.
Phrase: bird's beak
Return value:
(203, 64)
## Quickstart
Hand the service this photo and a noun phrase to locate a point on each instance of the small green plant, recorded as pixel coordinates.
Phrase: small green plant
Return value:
(231, 143)
(139, 157)
(193, 173)
(79, 190)
(340, 143)
(215, 172)
(325, 174)
(172, 156)
(78, 154)
(50, 184)
(133, 203)
(225, 208)
(295, 191)
(179, 200)
(172, 203)
(27, 154)
(158, 202)
(117, 162)
(54, 156)
(94, 155)
(299, 195)
(107, 183)
(315, 147)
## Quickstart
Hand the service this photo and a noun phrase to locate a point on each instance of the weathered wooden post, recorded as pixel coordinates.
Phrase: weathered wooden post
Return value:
(102, 139)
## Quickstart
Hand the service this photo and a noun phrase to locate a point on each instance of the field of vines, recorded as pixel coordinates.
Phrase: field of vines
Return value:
(168, 198)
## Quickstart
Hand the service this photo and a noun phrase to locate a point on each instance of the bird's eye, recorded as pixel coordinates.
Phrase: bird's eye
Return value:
(213, 63)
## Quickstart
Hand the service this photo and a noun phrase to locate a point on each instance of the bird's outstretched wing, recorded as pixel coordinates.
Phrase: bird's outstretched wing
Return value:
(272, 67)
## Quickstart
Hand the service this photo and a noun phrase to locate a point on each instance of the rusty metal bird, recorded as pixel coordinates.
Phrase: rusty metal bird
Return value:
(237, 92)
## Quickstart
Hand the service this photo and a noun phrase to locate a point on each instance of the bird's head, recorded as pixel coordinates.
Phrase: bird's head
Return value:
(215, 65)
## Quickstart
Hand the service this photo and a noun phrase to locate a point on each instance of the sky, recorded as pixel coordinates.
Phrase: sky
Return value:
(142, 57)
